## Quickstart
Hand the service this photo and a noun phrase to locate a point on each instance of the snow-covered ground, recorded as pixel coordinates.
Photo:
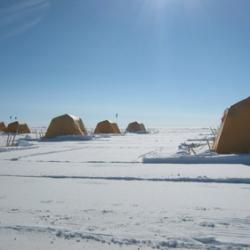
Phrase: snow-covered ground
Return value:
(123, 192)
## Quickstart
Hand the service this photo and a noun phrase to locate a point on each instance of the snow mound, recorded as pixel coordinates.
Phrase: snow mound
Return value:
(195, 151)
(111, 239)
(207, 158)
(200, 242)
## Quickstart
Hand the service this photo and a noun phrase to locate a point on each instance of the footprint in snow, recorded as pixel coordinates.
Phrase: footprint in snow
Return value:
(46, 201)
(13, 210)
(107, 211)
(207, 224)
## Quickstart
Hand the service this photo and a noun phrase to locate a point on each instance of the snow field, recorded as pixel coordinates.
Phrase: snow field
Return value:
(99, 194)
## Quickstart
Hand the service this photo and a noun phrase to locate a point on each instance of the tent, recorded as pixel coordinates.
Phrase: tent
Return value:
(107, 127)
(16, 127)
(135, 127)
(65, 125)
(116, 128)
(234, 133)
(2, 126)
(143, 128)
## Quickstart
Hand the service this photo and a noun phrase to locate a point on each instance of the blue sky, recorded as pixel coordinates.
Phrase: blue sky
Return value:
(163, 62)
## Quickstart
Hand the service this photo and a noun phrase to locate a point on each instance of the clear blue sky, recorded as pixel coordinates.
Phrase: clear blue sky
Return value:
(163, 62)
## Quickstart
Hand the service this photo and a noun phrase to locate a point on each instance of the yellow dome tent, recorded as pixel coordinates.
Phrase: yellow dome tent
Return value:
(116, 128)
(234, 133)
(135, 127)
(65, 125)
(2, 126)
(16, 127)
(107, 127)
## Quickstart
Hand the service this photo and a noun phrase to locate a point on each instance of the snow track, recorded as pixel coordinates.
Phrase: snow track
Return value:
(124, 178)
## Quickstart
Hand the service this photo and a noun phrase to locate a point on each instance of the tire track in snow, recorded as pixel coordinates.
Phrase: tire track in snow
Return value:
(45, 153)
(130, 178)
(77, 162)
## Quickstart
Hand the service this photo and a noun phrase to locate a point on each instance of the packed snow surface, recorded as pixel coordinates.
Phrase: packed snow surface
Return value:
(135, 191)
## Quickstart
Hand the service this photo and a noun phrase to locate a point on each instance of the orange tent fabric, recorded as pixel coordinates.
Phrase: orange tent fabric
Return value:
(16, 127)
(2, 126)
(234, 132)
(65, 125)
(107, 127)
(135, 127)
(143, 128)
(116, 128)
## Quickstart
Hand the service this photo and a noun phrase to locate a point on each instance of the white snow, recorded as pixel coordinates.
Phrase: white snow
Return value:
(123, 192)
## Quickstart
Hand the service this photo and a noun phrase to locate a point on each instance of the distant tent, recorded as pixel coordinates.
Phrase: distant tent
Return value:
(16, 127)
(234, 132)
(135, 127)
(143, 128)
(2, 126)
(65, 125)
(106, 127)
(116, 128)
